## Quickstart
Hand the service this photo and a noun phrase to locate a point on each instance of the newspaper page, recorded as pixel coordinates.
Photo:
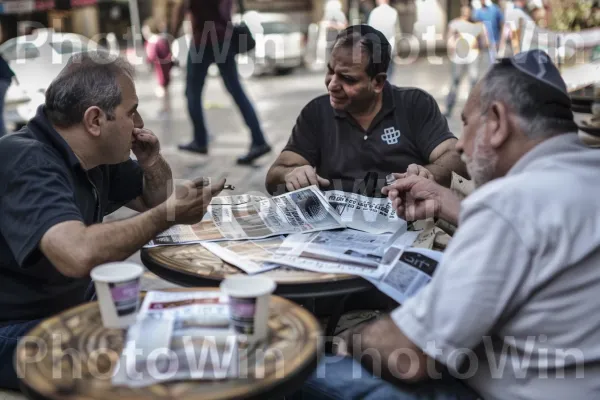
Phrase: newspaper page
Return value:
(304, 210)
(179, 336)
(344, 251)
(368, 214)
(249, 255)
(406, 271)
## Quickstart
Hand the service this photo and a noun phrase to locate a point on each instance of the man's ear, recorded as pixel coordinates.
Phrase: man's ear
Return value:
(498, 124)
(379, 82)
(93, 118)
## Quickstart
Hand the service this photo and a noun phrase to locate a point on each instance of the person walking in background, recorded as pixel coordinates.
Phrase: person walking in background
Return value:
(211, 43)
(158, 51)
(6, 76)
(464, 37)
(385, 19)
(493, 19)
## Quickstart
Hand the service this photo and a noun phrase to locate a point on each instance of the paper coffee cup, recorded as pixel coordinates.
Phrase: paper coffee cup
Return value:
(249, 304)
(118, 291)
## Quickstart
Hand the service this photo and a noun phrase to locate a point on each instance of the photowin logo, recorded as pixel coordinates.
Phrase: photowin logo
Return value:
(390, 135)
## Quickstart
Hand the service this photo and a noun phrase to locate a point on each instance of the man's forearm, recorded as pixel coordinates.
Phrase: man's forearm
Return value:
(442, 167)
(116, 241)
(381, 346)
(158, 180)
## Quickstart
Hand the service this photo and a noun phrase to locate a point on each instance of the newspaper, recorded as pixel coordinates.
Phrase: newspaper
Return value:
(233, 218)
(179, 336)
(406, 271)
(368, 214)
(345, 251)
(249, 255)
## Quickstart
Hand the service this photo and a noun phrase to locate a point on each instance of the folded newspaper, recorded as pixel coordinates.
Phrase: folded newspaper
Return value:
(368, 214)
(255, 217)
(405, 271)
(344, 251)
(179, 336)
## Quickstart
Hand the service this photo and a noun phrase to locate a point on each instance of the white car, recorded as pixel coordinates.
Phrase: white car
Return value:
(280, 45)
(36, 60)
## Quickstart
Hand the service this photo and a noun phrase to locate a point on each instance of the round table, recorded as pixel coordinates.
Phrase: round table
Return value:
(294, 337)
(193, 265)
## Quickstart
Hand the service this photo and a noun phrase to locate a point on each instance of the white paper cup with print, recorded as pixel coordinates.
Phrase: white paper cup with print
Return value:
(118, 291)
(249, 305)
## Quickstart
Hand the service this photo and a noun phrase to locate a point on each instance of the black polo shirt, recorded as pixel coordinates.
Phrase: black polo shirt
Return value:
(406, 130)
(42, 184)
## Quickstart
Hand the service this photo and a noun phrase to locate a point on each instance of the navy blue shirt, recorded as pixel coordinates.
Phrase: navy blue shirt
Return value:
(43, 184)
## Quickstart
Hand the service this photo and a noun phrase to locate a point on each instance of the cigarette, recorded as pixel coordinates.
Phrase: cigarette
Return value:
(229, 187)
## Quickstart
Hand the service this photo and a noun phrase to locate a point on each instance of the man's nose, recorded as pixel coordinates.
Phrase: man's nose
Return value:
(333, 84)
(138, 122)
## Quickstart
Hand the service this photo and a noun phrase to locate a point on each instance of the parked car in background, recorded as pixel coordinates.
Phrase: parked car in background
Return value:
(280, 44)
(36, 60)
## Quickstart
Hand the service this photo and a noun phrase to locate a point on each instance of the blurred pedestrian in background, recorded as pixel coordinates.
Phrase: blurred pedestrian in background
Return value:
(158, 52)
(464, 36)
(6, 76)
(493, 19)
(334, 21)
(385, 19)
(211, 43)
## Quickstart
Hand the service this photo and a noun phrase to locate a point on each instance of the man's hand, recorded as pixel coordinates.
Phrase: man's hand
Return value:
(416, 198)
(146, 147)
(302, 177)
(188, 204)
(416, 170)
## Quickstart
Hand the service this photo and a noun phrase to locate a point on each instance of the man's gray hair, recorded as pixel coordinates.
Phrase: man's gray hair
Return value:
(89, 79)
(528, 99)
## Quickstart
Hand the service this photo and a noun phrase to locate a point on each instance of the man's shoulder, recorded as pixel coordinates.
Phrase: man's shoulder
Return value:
(319, 107)
(21, 150)
(410, 95)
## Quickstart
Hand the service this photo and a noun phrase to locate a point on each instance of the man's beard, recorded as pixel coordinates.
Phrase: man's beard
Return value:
(482, 164)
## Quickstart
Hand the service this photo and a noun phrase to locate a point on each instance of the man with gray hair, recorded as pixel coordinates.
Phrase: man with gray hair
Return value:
(509, 311)
(60, 175)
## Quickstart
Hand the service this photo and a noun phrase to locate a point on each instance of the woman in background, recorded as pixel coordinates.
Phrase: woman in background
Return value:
(158, 51)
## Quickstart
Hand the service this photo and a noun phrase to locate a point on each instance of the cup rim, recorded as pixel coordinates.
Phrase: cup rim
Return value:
(247, 286)
(116, 272)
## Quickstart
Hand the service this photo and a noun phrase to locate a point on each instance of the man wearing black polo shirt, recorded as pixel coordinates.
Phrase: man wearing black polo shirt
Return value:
(59, 176)
(365, 128)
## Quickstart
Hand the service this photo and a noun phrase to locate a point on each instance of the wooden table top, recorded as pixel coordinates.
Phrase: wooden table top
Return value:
(193, 265)
(290, 357)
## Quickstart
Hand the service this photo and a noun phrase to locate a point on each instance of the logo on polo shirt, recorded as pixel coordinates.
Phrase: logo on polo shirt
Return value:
(390, 135)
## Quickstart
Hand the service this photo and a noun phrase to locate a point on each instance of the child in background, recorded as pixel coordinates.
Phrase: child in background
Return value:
(158, 51)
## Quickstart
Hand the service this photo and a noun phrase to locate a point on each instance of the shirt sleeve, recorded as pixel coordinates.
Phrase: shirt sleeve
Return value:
(126, 184)
(35, 195)
(428, 125)
(478, 282)
(305, 138)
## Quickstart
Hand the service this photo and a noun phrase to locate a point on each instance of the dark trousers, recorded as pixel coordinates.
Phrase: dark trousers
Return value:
(9, 337)
(197, 69)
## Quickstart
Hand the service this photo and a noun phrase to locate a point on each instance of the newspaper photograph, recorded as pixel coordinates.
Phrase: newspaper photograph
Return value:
(406, 271)
(344, 251)
(304, 210)
(249, 255)
(190, 339)
(368, 214)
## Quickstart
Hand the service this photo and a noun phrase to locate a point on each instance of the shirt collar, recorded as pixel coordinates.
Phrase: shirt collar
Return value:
(558, 144)
(388, 102)
(42, 128)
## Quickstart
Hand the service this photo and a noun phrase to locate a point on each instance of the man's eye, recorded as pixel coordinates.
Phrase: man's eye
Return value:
(348, 78)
